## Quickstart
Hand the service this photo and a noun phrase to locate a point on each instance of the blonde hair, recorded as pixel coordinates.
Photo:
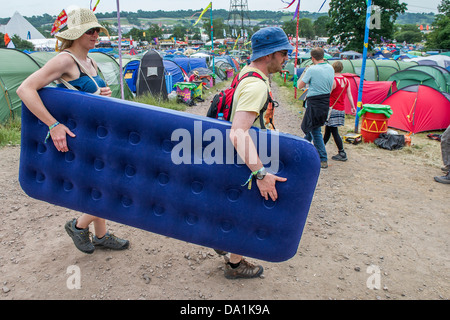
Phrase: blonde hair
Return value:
(338, 66)
(65, 44)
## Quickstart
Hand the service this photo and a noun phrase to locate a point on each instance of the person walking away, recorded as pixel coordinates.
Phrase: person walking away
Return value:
(336, 117)
(319, 78)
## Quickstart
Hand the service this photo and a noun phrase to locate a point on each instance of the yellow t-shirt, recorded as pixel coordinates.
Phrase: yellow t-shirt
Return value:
(251, 94)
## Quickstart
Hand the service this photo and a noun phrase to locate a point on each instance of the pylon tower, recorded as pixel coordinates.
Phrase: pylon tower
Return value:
(238, 16)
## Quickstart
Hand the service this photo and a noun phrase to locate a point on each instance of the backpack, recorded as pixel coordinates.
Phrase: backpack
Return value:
(223, 101)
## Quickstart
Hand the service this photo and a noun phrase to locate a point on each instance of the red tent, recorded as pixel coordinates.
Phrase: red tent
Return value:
(419, 108)
(374, 92)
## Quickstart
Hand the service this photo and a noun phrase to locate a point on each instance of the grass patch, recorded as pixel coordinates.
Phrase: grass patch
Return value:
(10, 133)
(156, 101)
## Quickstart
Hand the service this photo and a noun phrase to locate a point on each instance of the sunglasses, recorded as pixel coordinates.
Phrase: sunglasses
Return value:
(283, 53)
(92, 31)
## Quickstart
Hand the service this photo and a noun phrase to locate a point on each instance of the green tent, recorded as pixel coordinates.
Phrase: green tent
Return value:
(41, 57)
(110, 71)
(15, 67)
(376, 70)
(432, 76)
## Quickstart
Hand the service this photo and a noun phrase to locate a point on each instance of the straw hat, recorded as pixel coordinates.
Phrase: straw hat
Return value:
(78, 22)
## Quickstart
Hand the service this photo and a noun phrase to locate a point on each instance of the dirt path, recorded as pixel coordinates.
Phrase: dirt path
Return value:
(377, 220)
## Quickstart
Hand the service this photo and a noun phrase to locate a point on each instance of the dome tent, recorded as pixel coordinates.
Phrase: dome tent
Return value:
(419, 108)
(151, 75)
(433, 76)
(376, 70)
(15, 67)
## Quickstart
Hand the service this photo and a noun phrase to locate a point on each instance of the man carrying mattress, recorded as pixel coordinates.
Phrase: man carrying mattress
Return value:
(270, 52)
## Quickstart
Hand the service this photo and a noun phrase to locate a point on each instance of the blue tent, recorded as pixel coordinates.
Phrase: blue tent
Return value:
(186, 63)
(228, 60)
(130, 74)
(173, 69)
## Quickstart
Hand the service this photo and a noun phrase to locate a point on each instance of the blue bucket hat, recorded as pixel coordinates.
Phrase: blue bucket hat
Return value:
(269, 40)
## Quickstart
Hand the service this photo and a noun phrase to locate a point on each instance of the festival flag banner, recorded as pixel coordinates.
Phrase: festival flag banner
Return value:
(6, 39)
(203, 12)
(95, 7)
(60, 22)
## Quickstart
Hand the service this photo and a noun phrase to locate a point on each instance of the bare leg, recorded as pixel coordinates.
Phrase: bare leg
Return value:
(235, 258)
(99, 224)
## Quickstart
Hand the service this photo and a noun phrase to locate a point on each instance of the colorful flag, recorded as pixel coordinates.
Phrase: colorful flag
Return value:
(95, 7)
(203, 12)
(287, 2)
(6, 39)
(60, 22)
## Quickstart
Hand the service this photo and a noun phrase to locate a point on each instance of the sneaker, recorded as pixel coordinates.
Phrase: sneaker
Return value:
(443, 179)
(341, 156)
(81, 237)
(111, 241)
(446, 169)
(323, 164)
(244, 270)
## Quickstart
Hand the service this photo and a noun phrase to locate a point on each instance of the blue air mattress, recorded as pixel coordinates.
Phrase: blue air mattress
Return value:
(168, 172)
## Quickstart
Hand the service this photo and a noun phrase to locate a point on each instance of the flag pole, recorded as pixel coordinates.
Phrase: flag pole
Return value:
(212, 38)
(296, 52)
(120, 50)
(363, 66)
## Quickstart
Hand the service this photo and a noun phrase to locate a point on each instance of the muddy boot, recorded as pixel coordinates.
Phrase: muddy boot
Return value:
(443, 179)
(243, 269)
(341, 156)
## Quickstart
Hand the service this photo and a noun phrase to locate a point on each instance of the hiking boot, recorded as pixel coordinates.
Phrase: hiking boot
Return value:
(341, 156)
(111, 241)
(446, 169)
(443, 179)
(323, 164)
(80, 237)
(244, 270)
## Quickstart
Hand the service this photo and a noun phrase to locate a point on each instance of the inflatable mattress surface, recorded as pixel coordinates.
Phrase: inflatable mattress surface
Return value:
(170, 173)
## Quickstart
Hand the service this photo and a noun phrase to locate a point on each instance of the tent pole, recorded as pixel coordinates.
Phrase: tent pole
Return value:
(296, 53)
(363, 66)
(212, 38)
(120, 50)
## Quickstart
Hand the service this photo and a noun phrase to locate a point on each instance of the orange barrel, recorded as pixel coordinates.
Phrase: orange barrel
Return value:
(374, 121)
(372, 125)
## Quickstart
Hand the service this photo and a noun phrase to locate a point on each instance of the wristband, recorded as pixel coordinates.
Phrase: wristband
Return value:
(250, 178)
(50, 128)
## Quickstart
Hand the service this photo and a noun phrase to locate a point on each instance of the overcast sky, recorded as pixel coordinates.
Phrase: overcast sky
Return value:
(29, 8)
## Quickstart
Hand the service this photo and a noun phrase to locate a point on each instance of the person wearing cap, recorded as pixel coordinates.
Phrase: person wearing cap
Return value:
(72, 68)
(270, 52)
(320, 78)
